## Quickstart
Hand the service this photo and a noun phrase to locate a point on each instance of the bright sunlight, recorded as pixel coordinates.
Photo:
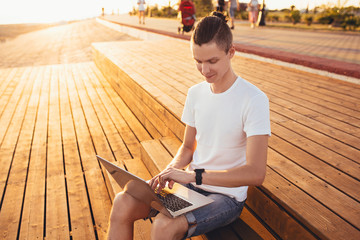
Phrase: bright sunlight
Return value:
(46, 11)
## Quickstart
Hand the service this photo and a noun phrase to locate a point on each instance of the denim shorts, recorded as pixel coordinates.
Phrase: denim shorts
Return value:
(223, 211)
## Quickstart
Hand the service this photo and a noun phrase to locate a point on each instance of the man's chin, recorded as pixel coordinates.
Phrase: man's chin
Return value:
(210, 79)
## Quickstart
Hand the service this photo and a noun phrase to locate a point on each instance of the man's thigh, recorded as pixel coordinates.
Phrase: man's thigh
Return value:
(221, 212)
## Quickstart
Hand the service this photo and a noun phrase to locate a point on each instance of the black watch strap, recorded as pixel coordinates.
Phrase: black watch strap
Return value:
(198, 176)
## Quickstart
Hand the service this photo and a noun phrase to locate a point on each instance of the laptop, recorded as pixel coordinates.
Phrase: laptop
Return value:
(171, 202)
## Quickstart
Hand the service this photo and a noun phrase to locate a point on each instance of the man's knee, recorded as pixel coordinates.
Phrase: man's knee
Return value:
(126, 208)
(119, 211)
(164, 227)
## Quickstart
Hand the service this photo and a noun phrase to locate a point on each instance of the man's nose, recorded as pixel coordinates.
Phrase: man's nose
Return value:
(205, 68)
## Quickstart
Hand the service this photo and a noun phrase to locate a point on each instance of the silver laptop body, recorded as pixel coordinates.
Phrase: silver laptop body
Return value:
(140, 189)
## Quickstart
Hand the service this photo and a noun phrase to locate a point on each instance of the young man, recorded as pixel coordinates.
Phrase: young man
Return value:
(226, 139)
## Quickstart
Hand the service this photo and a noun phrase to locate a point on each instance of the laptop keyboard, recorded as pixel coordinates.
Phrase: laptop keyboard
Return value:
(173, 202)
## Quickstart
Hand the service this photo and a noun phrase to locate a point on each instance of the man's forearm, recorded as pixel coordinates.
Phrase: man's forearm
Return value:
(182, 158)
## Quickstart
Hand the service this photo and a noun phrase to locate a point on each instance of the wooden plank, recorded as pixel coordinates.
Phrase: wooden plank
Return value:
(301, 206)
(130, 136)
(319, 151)
(8, 85)
(153, 73)
(15, 152)
(11, 133)
(318, 167)
(244, 231)
(12, 201)
(274, 216)
(6, 74)
(34, 200)
(341, 204)
(254, 224)
(81, 223)
(107, 93)
(171, 144)
(139, 110)
(296, 102)
(318, 136)
(57, 224)
(142, 228)
(300, 92)
(98, 194)
(324, 122)
(158, 94)
(149, 106)
(104, 134)
(324, 88)
(10, 106)
(154, 155)
(164, 115)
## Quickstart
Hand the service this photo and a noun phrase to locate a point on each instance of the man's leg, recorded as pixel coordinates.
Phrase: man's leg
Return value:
(232, 18)
(167, 228)
(125, 211)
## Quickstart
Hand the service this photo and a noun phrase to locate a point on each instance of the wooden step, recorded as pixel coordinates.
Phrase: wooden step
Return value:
(144, 99)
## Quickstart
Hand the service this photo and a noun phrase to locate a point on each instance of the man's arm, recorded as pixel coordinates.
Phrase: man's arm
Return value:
(180, 161)
(253, 173)
(185, 153)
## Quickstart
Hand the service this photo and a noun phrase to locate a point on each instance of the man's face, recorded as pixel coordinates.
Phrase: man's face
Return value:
(211, 61)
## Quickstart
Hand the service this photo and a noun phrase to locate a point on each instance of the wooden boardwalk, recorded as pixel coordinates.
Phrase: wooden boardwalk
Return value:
(54, 119)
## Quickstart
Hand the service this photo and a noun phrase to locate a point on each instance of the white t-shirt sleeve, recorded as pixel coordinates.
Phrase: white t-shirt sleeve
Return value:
(257, 117)
(188, 116)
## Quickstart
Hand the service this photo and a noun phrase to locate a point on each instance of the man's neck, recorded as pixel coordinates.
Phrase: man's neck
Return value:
(225, 84)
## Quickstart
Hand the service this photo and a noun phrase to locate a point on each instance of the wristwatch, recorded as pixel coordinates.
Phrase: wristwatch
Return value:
(198, 176)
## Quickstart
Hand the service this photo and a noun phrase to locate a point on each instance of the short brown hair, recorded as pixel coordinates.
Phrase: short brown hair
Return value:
(213, 28)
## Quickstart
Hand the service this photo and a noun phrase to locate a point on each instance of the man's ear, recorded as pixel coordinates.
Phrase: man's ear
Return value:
(232, 51)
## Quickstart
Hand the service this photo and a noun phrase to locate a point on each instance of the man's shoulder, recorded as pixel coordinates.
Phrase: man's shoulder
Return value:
(248, 89)
(199, 86)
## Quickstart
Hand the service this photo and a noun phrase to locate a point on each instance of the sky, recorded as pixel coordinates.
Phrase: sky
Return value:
(40, 11)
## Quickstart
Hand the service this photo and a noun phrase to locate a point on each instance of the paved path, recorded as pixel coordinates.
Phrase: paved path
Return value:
(332, 51)
(68, 43)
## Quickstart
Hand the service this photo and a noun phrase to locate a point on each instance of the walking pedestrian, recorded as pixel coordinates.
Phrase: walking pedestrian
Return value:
(233, 6)
(141, 11)
(253, 9)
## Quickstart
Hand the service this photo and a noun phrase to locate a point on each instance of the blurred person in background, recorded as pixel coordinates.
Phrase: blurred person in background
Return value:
(233, 6)
(253, 9)
(141, 10)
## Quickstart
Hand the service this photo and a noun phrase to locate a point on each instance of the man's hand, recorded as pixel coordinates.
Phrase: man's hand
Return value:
(171, 175)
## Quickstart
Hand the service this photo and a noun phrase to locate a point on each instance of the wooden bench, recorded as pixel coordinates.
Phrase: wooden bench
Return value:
(313, 151)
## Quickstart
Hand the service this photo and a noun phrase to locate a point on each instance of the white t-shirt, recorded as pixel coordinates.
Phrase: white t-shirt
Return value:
(223, 122)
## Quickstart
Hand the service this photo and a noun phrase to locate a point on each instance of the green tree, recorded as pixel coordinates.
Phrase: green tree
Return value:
(295, 16)
(203, 7)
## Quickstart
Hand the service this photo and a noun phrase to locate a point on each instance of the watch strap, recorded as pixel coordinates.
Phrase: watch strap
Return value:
(198, 175)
